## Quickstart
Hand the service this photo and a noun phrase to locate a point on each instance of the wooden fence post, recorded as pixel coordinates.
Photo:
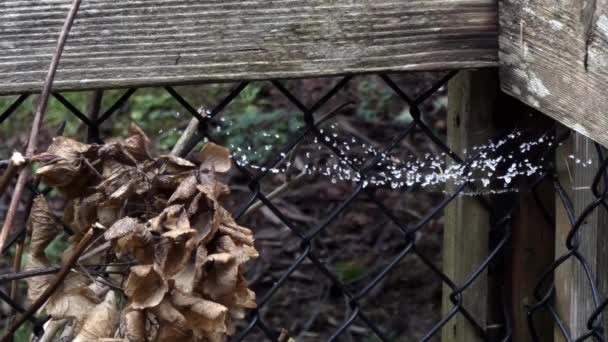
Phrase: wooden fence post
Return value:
(574, 299)
(471, 100)
(532, 240)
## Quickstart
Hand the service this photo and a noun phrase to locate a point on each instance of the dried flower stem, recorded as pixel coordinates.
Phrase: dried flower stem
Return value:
(43, 101)
(48, 292)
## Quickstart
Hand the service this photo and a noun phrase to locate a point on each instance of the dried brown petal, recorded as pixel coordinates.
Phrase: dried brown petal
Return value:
(63, 162)
(145, 287)
(42, 225)
(107, 215)
(242, 252)
(184, 279)
(203, 217)
(171, 333)
(229, 227)
(174, 250)
(175, 164)
(139, 244)
(215, 158)
(123, 227)
(121, 186)
(36, 285)
(202, 315)
(135, 326)
(81, 212)
(173, 325)
(211, 186)
(185, 191)
(72, 303)
(220, 275)
(101, 322)
(138, 144)
(173, 217)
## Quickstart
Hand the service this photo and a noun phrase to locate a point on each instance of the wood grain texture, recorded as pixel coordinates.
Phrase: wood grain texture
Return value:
(574, 297)
(154, 42)
(471, 100)
(554, 57)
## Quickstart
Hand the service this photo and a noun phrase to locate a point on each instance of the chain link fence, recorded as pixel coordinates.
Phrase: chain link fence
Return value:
(358, 297)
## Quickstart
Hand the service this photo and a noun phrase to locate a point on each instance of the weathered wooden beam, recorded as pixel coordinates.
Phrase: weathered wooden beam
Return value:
(471, 100)
(574, 298)
(554, 57)
(153, 42)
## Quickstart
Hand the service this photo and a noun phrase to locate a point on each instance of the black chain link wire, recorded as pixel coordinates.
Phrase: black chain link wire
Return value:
(499, 219)
(545, 291)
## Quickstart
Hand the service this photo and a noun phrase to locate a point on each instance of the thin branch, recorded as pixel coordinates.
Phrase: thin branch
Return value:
(190, 134)
(43, 101)
(276, 192)
(48, 292)
(55, 269)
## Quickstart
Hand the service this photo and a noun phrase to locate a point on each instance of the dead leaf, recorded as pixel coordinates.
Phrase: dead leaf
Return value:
(135, 326)
(174, 249)
(101, 322)
(175, 164)
(203, 316)
(81, 212)
(220, 275)
(42, 225)
(36, 285)
(138, 143)
(123, 227)
(215, 158)
(185, 191)
(62, 163)
(145, 287)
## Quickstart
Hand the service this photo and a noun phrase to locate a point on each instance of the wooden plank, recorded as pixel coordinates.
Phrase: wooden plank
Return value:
(533, 239)
(563, 274)
(532, 253)
(554, 57)
(573, 293)
(471, 101)
(154, 42)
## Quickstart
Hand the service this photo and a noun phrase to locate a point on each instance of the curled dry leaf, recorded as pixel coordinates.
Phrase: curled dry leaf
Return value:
(82, 212)
(174, 249)
(145, 287)
(215, 158)
(62, 164)
(185, 191)
(42, 225)
(135, 326)
(101, 321)
(138, 143)
(122, 227)
(165, 214)
(202, 315)
(74, 304)
(36, 285)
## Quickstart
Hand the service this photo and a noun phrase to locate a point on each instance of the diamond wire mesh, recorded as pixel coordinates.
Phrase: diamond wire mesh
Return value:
(355, 311)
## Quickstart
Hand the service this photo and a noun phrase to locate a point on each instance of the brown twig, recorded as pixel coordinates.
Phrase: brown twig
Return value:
(43, 101)
(190, 134)
(48, 292)
(276, 192)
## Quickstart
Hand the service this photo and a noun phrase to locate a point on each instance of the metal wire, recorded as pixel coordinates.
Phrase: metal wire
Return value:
(500, 220)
